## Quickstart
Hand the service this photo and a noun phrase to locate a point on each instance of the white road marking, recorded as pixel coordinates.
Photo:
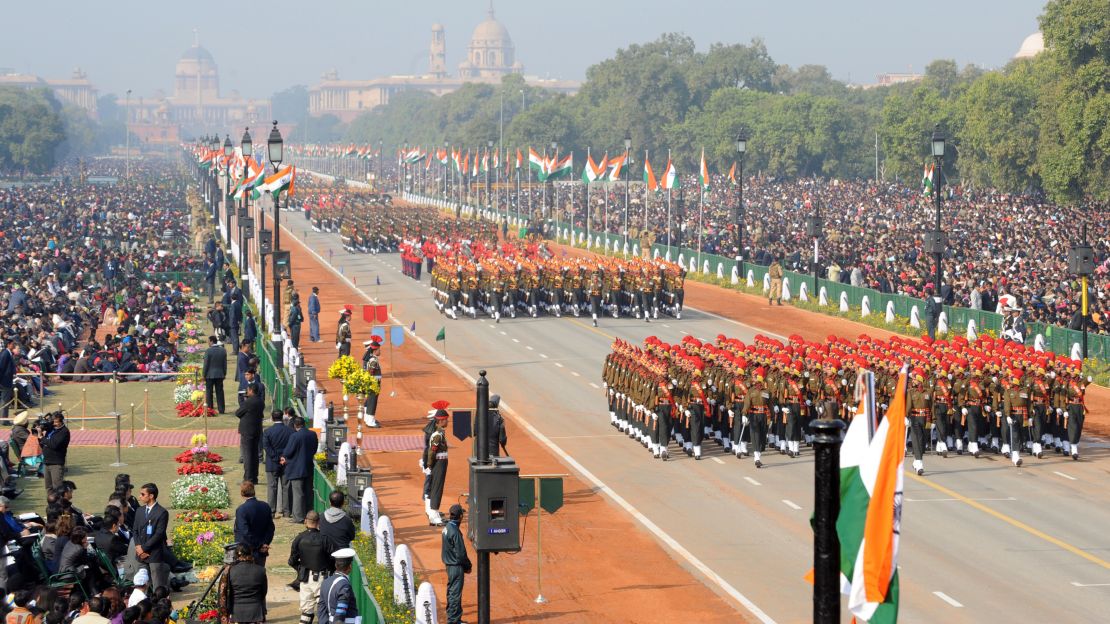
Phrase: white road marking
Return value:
(595, 385)
(575, 373)
(529, 348)
(949, 599)
(752, 481)
(791, 505)
(544, 356)
(948, 500)
(1066, 476)
(667, 326)
(504, 334)
(492, 326)
(515, 340)
(717, 459)
(601, 486)
(559, 364)
(1077, 584)
(683, 331)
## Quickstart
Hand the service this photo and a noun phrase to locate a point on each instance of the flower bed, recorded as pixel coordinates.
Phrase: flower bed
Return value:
(380, 581)
(201, 542)
(194, 409)
(214, 515)
(198, 454)
(200, 491)
(200, 468)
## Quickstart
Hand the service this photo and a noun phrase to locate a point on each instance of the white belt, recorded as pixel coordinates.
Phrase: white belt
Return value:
(441, 455)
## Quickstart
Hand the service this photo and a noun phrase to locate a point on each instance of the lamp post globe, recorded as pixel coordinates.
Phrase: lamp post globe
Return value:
(246, 144)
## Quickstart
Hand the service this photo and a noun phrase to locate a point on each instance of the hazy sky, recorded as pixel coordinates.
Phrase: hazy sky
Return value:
(262, 47)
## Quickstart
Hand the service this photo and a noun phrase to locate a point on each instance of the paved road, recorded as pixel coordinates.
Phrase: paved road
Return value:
(981, 539)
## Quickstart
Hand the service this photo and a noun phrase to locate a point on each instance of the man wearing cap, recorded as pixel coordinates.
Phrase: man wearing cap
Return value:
(495, 429)
(1015, 413)
(20, 433)
(314, 314)
(372, 365)
(919, 405)
(337, 598)
(343, 333)
(435, 461)
(309, 556)
(293, 320)
(457, 562)
(1075, 391)
(138, 594)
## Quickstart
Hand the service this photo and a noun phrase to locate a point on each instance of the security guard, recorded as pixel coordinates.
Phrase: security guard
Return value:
(457, 562)
(309, 557)
(337, 598)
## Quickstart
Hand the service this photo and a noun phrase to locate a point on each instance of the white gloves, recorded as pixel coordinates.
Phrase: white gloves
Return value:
(809, 403)
(687, 413)
(1090, 379)
(988, 408)
(1059, 411)
(806, 374)
(337, 346)
(820, 410)
(963, 410)
(674, 382)
(731, 414)
(907, 421)
(994, 379)
(949, 376)
(427, 471)
(744, 419)
(844, 382)
(776, 409)
(605, 384)
(1009, 421)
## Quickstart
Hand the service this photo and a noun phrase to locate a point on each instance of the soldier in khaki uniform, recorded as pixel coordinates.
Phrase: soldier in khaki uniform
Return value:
(1015, 413)
(776, 273)
(919, 406)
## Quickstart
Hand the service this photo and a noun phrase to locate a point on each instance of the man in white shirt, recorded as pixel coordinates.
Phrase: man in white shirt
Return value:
(138, 594)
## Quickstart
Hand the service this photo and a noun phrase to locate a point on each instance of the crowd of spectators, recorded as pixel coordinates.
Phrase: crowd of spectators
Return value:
(80, 291)
(1002, 248)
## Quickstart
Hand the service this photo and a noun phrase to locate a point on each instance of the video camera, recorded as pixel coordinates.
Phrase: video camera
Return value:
(45, 422)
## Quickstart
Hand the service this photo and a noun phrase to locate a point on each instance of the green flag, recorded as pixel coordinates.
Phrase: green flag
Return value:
(442, 335)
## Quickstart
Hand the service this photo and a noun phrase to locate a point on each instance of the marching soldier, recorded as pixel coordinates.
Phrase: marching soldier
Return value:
(1075, 393)
(696, 410)
(942, 406)
(647, 296)
(755, 411)
(972, 411)
(1041, 396)
(737, 397)
(1015, 411)
(596, 281)
(919, 413)
(794, 400)
(664, 410)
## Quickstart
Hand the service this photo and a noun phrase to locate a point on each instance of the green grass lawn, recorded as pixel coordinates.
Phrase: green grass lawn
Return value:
(90, 469)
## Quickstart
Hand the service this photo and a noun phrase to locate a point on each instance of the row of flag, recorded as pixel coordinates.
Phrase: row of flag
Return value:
(248, 176)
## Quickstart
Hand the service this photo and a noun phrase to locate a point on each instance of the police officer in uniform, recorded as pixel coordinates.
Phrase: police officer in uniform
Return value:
(457, 561)
(309, 557)
(337, 598)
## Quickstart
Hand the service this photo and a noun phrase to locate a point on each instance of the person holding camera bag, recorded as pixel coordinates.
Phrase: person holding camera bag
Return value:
(53, 438)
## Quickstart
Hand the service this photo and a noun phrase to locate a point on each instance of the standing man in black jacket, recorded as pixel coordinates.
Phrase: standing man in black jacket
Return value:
(250, 329)
(274, 439)
(250, 432)
(254, 524)
(9, 358)
(214, 371)
(336, 525)
(242, 364)
(55, 445)
(149, 533)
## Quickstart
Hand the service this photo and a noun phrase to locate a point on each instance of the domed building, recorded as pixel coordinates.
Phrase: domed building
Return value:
(1031, 46)
(490, 56)
(491, 53)
(196, 107)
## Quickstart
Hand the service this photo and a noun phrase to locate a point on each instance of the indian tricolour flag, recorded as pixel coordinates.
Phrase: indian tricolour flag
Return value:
(256, 174)
(280, 181)
(703, 172)
(927, 180)
(538, 164)
(591, 172)
(871, 510)
(649, 175)
(564, 167)
(669, 180)
(616, 164)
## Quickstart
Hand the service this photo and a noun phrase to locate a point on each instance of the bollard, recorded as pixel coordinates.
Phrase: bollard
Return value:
(826, 545)
(132, 445)
(84, 402)
(119, 459)
(146, 408)
(42, 392)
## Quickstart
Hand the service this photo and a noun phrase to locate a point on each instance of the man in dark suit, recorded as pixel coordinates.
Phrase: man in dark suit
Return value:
(250, 330)
(274, 440)
(108, 538)
(250, 432)
(149, 534)
(9, 357)
(254, 524)
(242, 363)
(247, 588)
(234, 317)
(214, 371)
(297, 461)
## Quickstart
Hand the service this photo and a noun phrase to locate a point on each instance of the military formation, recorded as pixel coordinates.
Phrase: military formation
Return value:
(963, 397)
(525, 277)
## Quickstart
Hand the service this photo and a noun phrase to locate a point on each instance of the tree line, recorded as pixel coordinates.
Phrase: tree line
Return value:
(1037, 124)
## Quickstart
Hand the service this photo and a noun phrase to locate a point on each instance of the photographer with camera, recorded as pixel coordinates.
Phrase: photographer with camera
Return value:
(53, 437)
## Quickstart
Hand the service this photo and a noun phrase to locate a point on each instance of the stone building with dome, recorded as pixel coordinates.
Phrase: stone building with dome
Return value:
(196, 106)
(490, 56)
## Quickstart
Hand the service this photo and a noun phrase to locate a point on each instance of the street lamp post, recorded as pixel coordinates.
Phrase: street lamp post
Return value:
(247, 147)
(938, 177)
(741, 149)
(404, 167)
(489, 165)
(627, 175)
(213, 180)
(555, 189)
(227, 187)
(446, 165)
(814, 229)
(274, 148)
(380, 186)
